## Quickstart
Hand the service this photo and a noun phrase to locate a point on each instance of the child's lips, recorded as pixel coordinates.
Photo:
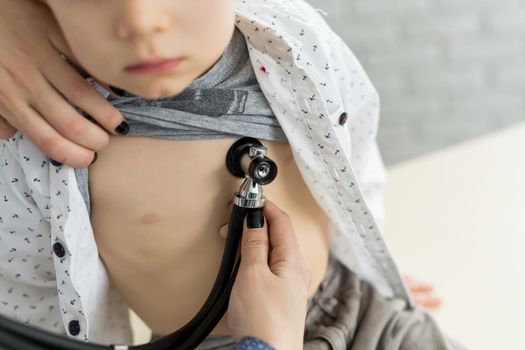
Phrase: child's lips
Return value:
(154, 65)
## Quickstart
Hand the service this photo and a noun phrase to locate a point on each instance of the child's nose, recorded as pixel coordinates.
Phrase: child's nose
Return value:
(139, 19)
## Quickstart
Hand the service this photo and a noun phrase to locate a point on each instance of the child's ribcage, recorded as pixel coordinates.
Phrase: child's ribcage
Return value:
(157, 206)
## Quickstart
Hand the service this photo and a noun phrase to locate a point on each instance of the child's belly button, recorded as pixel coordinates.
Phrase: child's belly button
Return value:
(156, 206)
(150, 218)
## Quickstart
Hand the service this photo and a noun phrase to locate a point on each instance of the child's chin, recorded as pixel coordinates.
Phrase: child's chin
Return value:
(152, 94)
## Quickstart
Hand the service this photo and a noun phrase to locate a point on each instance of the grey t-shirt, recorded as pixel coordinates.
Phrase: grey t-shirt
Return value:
(225, 102)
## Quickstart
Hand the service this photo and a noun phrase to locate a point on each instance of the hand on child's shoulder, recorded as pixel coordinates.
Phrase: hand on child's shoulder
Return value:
(6, 129)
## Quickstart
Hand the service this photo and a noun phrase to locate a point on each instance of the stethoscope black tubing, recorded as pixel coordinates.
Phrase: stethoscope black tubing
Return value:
(18, 342)
(218, 311)
(231, 249)
(18, 336)
(12, 331)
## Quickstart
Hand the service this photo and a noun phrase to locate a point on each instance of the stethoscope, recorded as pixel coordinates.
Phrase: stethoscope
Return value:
(246, 159)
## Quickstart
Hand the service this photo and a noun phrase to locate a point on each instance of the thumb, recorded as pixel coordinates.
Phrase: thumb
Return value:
(255, 244)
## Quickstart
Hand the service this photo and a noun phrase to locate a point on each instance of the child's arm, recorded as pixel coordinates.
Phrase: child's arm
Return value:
(361, 102)
(361, 98)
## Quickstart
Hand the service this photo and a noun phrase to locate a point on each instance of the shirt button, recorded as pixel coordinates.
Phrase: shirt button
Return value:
(59, 250)
(343, 118)
(74, 327)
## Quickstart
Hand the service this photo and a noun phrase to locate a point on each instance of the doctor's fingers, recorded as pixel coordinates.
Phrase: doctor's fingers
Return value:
(82, 94)
(6, 130)
(284, 253)
(223, 230)
(282, 236)
(61, 115)
(283, 240)
(38, 127)
(16, 109)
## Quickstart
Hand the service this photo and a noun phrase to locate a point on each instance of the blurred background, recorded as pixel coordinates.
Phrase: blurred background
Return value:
(451, 76)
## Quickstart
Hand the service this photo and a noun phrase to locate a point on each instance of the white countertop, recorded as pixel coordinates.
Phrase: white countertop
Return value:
(455, 218)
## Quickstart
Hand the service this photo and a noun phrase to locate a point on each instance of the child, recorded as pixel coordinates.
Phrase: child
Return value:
(267, 69)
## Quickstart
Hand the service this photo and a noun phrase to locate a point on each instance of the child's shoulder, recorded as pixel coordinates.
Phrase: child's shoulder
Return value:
(307, 41)
(295, 17)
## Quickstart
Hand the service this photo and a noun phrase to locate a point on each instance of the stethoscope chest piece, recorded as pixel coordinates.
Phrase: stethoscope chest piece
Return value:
(247, 157)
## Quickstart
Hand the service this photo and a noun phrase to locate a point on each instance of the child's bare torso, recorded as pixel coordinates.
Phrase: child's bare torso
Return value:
(156, 209)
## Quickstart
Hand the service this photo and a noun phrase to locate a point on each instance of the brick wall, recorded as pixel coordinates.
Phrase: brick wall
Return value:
(446, 70)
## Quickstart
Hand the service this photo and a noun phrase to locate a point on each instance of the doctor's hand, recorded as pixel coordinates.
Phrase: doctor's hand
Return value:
(38, 87)
(270, 295)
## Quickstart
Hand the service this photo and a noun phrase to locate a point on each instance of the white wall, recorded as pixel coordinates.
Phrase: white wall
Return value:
(447, 70)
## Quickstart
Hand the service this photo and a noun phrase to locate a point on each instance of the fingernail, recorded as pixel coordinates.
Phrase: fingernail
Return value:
(255, 219)
(122, 129)
(54, 162)
(94, 158)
